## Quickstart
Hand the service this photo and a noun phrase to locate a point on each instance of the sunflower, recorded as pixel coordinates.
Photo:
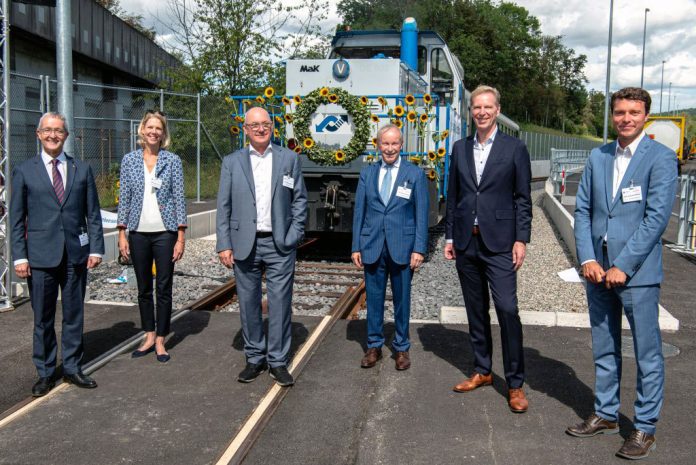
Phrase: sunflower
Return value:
(339, 155)
(424, 118)
(269, 92)
(228, 99)
(444, 135)
(441, 152)
(286, 101)
(411, 116)
(324, 91)
(288, 117)
(427, 98)
(370, 158)
(374, 118)
(298, 149)
(382, 101)
(276, 133)
(278, 119)
(234, 129)
(431, 174)
(333, 98)
(247, 102)
(260, 99)
(399, 124)
(399, 111)
(297, 99)
(410, 99)
(308, 143)
(364, 100)
(415, 160)
(292, 143)
(239, 119)
(374, 141)
(431, 155)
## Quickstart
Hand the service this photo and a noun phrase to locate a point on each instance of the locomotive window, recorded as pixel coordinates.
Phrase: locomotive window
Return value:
(422, 61)
(365, 52)
(441, 75)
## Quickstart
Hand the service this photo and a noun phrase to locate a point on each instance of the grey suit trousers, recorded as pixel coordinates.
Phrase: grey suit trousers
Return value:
(280, 272)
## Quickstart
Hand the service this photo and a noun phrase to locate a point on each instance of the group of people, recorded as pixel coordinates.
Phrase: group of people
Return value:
(623, 206)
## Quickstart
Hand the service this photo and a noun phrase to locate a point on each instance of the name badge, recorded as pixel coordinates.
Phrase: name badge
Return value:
(288, 182)
(84, 239)
(631, 194)
(403, 192)
(156, 183)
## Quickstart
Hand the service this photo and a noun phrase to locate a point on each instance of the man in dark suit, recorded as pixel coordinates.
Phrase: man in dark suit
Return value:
(390, 238)
(56, 237)
(623, 206)
(262, 209)
(489, 217)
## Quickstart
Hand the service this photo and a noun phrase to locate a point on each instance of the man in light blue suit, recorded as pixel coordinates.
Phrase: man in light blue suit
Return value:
(390, 239)
(622, 208)
(261, 214)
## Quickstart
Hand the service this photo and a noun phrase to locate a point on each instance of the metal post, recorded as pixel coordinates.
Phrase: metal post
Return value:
(47, 86)
(662, 81)
(6, 259)
(198, 147)
(64, 62)
(606, 90)
(161, 100)
(645, 28)
(685, 184)
(669, 98)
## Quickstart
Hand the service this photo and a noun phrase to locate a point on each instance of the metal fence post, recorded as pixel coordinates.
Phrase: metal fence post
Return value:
(683, 213)
(161, 100)
(198, 147)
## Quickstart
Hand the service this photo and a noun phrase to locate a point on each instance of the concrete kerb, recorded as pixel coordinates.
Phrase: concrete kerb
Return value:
(564, 223)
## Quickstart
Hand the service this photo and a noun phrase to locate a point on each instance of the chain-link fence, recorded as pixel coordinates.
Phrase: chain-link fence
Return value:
(106, 120)
(540, 144)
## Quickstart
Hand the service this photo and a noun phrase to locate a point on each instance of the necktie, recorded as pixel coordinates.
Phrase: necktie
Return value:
(385, 190)
(57, 181)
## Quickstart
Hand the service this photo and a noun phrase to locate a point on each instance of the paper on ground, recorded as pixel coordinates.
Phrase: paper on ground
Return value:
(570, 276)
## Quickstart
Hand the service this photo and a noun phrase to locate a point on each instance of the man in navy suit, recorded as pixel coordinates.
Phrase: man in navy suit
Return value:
(56, 237)
(489, 219)
(622, 208)
(390, 239)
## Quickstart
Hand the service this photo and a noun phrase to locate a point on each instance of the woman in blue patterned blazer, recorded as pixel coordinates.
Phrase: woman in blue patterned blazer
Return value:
(153, 210)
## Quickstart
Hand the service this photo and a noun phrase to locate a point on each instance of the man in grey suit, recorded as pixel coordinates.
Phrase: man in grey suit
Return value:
(623, 205)
(262, 209)
(56, 237)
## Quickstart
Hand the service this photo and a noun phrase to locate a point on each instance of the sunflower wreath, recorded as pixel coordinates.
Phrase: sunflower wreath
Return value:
(355, 108)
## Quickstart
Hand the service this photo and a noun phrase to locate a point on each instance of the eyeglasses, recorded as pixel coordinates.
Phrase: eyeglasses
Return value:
(56, 131)
(257, 126)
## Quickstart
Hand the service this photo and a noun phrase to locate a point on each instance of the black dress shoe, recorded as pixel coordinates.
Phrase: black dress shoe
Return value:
(282, 376)
(141, 353)
(42, 387)
(80, 379)
(251, 372)
(163, 358)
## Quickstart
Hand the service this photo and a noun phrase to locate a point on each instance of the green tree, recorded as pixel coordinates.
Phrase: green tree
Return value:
(135, 21)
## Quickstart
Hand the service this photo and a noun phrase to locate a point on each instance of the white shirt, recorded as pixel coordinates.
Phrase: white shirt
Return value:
(150, 215)
(481, 153)
(621, 161)
(262, 167)
(383, 172)
(63, 170)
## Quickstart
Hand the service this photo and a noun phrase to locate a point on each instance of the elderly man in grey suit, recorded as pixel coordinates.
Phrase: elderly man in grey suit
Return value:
(262, 208)
(56, 236)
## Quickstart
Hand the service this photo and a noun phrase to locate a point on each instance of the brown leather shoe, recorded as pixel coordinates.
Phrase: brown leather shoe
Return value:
(517, 400)
(371, 357)
(638, 446)
(403, 362)
(474, 382)
(592, 426)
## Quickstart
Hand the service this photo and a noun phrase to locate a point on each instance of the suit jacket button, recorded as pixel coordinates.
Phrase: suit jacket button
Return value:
(254, 221)
(611, 216)
(477, 193)
(473, 212)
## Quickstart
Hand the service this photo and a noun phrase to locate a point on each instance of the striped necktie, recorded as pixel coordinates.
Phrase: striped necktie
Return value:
(57, 181)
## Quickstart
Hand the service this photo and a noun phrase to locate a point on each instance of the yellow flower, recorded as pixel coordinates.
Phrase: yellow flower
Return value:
(415, 160)
(297, 99)
(424, 118)
(374, 141)
(260, 99)
(370, 158)
(441, 152)
(239, 119)
(399, 124)
(234, 129)
(339, 155)
(399, 111)
(410, 99)
(411, 116)
(285, 100)
(308, 143)
(269, 92)
(382, 101)
(228, 99)
(288, 117)
(298, 149)
(431, 174)
(363, 100)
(278, 119)
(444, 134)
(333, 98)
(427, 98)
(431, 155)
(374, 118)
(246, 102)
(324, 91)
(276, 133)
